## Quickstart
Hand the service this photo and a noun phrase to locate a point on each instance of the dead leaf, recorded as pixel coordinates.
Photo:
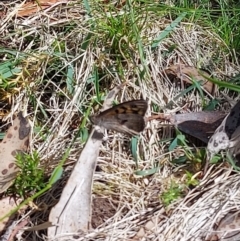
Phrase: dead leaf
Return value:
(75, 202)
(6, 205)
(228, 229)
(16, 140)
(30, 8)
(185, 73)
(198, 124)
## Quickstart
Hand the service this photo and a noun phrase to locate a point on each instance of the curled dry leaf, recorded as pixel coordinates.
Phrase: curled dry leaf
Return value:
(16, 140)
(75, 202)
(185, 73)
(227, 135)
(200, 124)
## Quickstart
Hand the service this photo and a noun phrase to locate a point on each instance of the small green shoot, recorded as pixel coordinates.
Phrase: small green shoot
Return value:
(179, 140)
(193, 156)
(31, 176)
(231, 160)
(148, 172)
(172, 194)
(191, 180)
(70, 79)
(134, 143)
(211, 105)
(56, 175)
(215, 159)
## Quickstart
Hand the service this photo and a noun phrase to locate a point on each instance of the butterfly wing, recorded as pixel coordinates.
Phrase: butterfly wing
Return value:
(125, 123)
(133, 107)
(127, 117)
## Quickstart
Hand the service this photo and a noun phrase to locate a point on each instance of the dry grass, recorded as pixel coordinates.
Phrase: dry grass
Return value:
(52, 43)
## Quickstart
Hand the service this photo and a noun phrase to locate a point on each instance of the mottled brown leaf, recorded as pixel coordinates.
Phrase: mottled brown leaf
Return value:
(16, 140)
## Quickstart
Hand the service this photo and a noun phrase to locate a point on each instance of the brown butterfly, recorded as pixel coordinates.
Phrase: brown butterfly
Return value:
(127, 117)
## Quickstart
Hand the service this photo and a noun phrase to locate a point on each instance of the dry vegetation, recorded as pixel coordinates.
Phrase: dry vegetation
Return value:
(64, 60)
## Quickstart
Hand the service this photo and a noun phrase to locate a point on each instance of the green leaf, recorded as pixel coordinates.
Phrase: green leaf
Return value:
(147, 172)
(134, 143)
(167, 30)
(232, 162)
(70, 77)
(84, 134)
(56, 175)
(173, 145)
(180, 160)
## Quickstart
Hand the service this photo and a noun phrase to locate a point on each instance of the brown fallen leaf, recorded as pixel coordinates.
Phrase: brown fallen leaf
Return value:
(16, 140)
(198, 124)
(228, 229)
(30, 8)
(185, 73)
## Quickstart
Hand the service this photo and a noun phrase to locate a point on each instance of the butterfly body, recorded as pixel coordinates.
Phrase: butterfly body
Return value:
(127, 117)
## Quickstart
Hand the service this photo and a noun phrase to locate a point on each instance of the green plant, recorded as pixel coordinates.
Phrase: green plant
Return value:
(191, 180)
(172, 194)
(31, 176)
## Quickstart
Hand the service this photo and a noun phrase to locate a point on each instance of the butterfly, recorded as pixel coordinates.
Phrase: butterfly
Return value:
(227, 135)
(127, 117)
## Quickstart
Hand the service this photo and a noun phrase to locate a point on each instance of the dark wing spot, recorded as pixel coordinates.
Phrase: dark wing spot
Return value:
(117, 111)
